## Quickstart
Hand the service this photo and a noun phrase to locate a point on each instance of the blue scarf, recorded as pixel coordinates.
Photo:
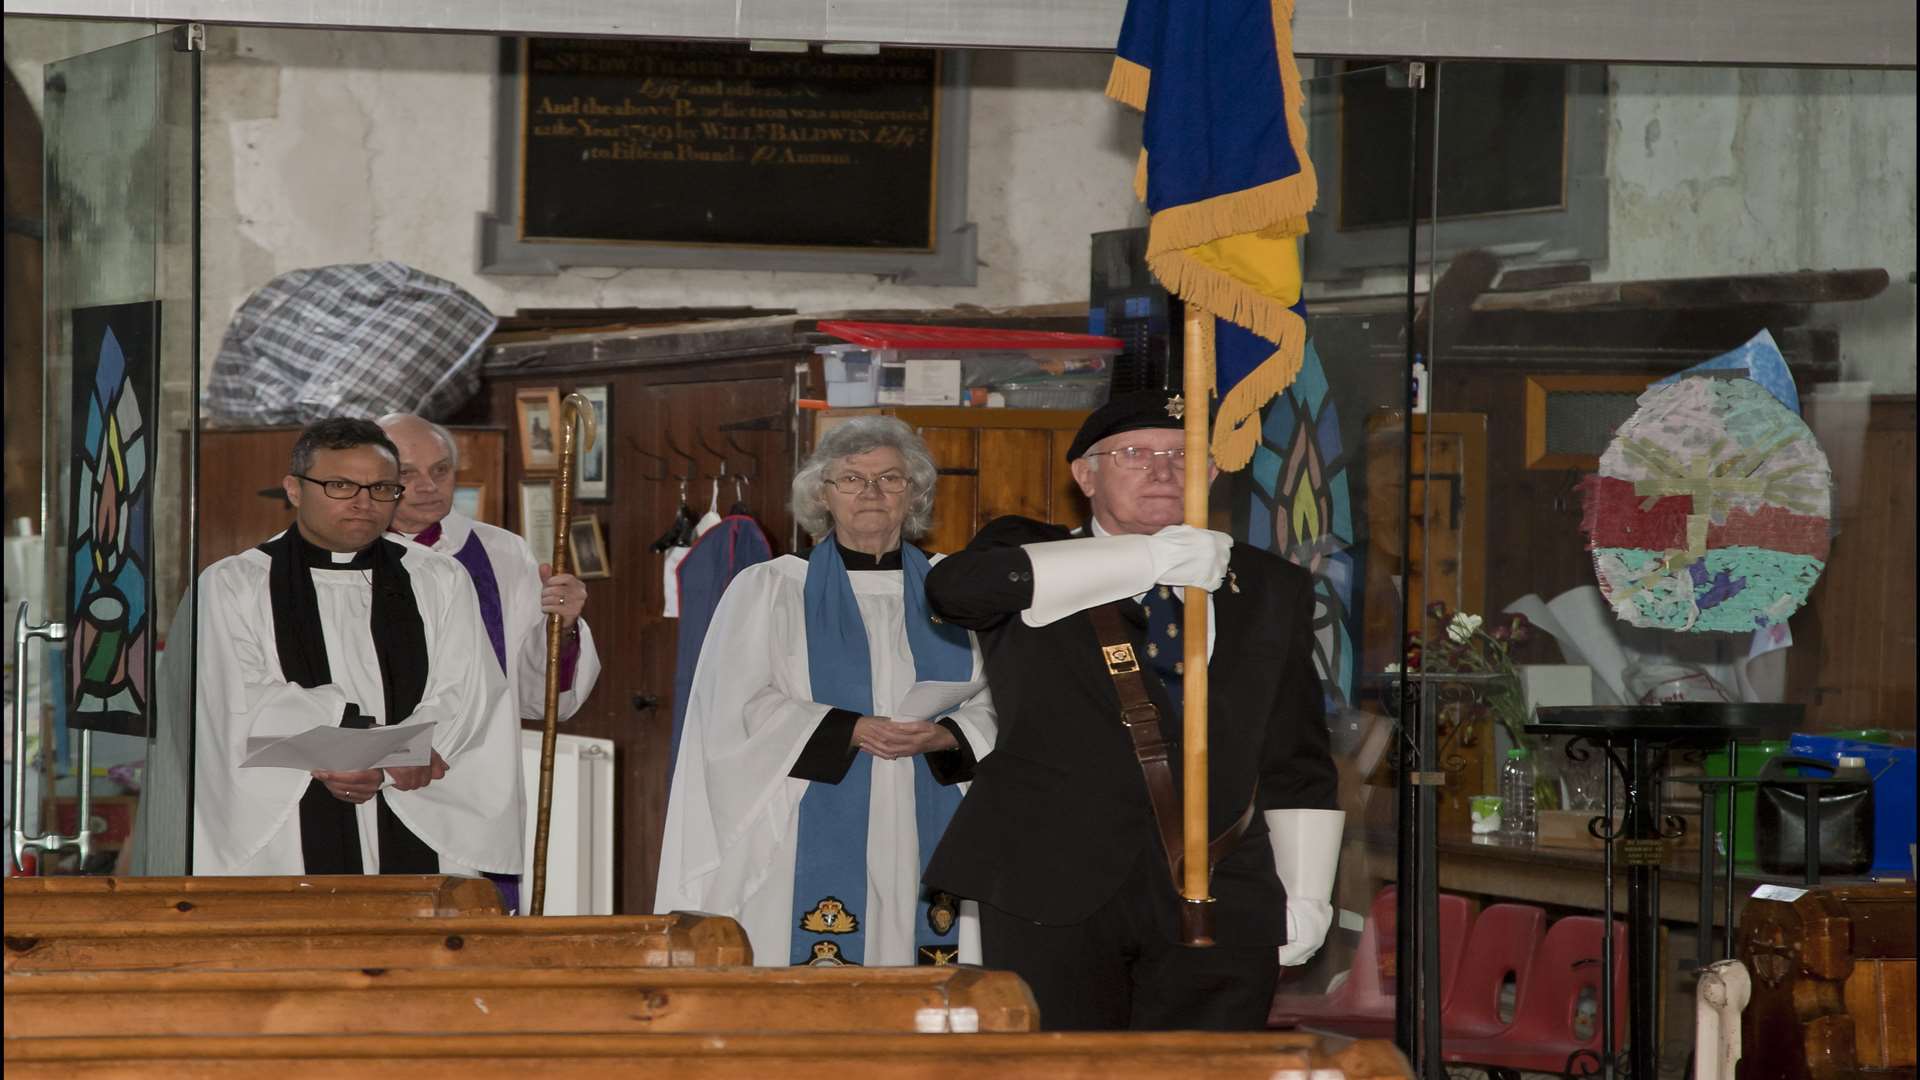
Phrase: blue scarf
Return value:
(830, 868)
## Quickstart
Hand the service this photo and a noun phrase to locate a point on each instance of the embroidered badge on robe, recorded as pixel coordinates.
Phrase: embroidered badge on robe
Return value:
(829, 916)
(938, 956)
(827, 954)
(942, 910)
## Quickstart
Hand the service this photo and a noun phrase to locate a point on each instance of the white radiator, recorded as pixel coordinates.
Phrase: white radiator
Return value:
(580, 836)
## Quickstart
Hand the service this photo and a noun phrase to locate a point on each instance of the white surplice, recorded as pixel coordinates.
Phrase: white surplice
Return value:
(731, 832)
(516, 572)
(246, 821)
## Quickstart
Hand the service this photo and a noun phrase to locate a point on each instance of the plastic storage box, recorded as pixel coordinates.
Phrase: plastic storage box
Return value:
(1892, 769)
(1753, 756)
(900, 364)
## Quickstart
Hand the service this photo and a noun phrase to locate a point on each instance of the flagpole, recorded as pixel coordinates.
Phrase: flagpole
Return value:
(1195, 387)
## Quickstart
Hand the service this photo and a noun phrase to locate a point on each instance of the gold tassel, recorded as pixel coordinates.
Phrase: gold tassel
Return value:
(1140, 176)
(1127, 83)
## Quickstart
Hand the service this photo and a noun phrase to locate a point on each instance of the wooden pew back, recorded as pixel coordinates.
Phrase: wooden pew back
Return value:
(92, 900)
(582, 1000)
(1117, 1056)
(1833, 984)
(464, 941)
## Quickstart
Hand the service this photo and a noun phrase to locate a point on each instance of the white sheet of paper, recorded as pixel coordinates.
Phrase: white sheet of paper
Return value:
(335, 749)
(932, 700)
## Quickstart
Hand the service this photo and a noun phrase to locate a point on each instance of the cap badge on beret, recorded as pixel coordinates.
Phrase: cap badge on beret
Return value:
(1177, 406)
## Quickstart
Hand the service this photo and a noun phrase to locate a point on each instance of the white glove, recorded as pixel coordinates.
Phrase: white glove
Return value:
(1306, 855)
(1074, 575)
(1184, 555)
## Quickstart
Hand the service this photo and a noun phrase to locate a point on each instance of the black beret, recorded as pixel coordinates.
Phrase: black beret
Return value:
(1132, 411)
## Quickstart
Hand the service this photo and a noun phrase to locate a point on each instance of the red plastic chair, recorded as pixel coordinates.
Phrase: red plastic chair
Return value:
(1362, 1005)
(1543, 1037)
(1504, 940)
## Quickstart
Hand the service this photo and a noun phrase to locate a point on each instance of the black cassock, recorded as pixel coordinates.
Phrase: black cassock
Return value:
(1056, 839)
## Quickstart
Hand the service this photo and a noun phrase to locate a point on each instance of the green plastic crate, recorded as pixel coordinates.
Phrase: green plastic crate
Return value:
(1753, 757)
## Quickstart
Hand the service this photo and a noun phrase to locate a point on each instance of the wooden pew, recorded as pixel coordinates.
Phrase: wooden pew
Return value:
(464, 941)
(1120, 1056)
(1832, 972)
(502, 1001)
(104, 899)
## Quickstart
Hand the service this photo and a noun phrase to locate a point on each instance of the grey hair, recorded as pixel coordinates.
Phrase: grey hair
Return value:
(446, 437)
(857, 436)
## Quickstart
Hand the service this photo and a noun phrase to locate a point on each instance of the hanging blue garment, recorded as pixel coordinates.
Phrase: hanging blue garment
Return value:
(716, 558)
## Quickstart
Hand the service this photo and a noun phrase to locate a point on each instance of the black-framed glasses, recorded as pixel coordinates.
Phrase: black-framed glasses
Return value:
(891, 483)
(1141, 458)
(379, 490)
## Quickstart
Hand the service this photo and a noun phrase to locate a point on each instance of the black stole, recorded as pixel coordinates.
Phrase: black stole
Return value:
(329, 832)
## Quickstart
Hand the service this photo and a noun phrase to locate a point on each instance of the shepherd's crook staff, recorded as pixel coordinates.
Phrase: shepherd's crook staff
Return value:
(573, 408)
(1196, 387)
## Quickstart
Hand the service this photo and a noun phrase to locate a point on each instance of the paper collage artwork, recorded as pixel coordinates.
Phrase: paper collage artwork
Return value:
(1710, 508)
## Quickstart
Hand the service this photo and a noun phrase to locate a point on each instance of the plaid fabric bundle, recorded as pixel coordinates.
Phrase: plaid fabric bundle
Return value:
(357, 339)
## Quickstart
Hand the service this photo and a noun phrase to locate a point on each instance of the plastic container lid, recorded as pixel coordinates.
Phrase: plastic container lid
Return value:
(1516, 754)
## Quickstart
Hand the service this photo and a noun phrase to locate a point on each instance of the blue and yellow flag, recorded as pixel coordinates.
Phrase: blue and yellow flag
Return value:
(1224, 173)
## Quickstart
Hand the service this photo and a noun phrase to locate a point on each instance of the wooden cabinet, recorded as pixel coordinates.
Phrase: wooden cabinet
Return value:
(992, 462)
(240, 502)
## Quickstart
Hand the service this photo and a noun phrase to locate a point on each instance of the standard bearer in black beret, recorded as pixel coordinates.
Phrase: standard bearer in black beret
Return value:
(1059, 838)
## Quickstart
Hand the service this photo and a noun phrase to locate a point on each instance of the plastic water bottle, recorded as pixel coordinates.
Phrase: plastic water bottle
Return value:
(1516, 796)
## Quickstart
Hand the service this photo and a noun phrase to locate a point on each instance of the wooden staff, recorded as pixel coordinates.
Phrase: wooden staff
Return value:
(573, 408)
(1196, 386)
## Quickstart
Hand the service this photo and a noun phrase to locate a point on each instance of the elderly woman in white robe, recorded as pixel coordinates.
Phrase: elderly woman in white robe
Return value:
(831, 728)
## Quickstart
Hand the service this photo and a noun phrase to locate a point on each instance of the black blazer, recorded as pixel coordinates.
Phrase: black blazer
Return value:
(1059, 814)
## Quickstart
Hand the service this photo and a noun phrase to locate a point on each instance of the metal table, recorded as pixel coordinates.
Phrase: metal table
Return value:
(1635, 740)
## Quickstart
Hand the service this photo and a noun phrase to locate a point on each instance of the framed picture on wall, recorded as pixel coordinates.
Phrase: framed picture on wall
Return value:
(471, 500)
(589, 548)
(537, 409)
(536, 517)
(590, 466)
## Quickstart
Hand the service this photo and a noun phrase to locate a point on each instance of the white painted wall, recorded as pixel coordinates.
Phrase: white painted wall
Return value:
(327, 146)
(1750, 171)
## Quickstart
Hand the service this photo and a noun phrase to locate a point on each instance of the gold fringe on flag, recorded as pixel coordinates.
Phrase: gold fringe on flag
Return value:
(1236, 431)
(1127, 83)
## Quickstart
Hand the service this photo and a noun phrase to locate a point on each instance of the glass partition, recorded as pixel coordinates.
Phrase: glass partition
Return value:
(121, 331)
(1327, 489)
(1737, 533)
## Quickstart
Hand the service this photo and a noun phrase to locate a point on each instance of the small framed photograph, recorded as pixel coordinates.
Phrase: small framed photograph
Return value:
(590, 466)
(536, 517)
(471, 500)
(538, 411)
(589, 548)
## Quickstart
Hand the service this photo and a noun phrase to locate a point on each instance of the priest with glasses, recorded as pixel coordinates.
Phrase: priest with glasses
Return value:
(331, 623)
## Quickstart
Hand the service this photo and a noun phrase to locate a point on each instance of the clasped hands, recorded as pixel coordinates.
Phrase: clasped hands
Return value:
(364, 784)
(888, 739)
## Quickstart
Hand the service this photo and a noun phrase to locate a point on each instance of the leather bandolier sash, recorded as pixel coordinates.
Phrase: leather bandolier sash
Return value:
(1141, 718)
